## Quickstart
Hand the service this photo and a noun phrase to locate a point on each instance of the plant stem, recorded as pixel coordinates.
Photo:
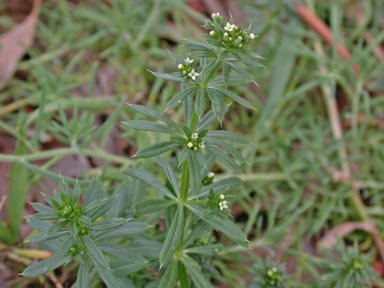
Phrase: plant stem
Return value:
(184, 182)
(64, 152)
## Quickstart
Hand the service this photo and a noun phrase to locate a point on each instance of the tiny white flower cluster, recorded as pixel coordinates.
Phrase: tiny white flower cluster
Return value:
(233, 37)
(195, 143)
(223, 204)
(193, 74)
(188, 60)
(211, 174)
(272, 271)
(187, 70)
(229, 27)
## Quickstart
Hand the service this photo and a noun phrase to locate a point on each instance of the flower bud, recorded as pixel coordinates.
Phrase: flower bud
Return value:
(217, 17)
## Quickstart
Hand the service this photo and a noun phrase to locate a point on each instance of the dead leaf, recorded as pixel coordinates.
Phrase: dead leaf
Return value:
(14, 43)
(330, 238)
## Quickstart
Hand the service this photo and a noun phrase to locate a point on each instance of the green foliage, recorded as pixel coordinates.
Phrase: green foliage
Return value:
(79, 231)
(269, 275)
(346, 267)
(288, 195)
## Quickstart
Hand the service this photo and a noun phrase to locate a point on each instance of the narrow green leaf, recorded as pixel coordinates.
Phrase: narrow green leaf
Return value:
(180, 97)
(173, 237)
(229, 148)
(119, 206)
(149, 126)
(156, 149)
(170, 277)
(148, 248)
(99, 207)
(210, 70)
(154, 114)
(194, 172)
(46, 236)
(152, 206)
(129, 266)
(147, 178)
(221, 223)
(230, 136)
(206, 121)
(225, 159)
(168, 76)
(184, 186)
(38, 268)
(219, 107)
(83, 274)
(241, 71)
(39, 207)
(18, 190)
(234, 97)
(94, 191)
(169, 172)
(108, 277)
(199, 46)
(109, 224)
(58, 255)
(96, 254)
(194, 271)
(182, 275)
(126, 230)
(183, 155)
(200, 102)
(225, 75)
(5, 234)
(209, 250)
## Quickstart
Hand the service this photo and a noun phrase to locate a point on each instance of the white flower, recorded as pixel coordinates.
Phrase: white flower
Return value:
(190, 145)
(195, 136)
(211, 174)
(188, 60)
(223, 205)
(212, 33)
(252, 36)
(202, 145)
(217, 14)
(229, 27)
(225, 35)
(222, 196)
(193, 74)
(180, 66)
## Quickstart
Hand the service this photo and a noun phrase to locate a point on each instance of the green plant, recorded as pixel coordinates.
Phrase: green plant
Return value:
(269, 275)
(192, 207)
(193, 202)
(83, 226)
(346, 267)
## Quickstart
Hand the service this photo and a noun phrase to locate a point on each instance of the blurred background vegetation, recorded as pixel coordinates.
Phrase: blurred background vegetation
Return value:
(316, 163)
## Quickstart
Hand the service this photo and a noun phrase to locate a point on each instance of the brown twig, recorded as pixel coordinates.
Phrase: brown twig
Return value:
(331, 237)
(2, 201)
(322, 29)
(346, 174)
